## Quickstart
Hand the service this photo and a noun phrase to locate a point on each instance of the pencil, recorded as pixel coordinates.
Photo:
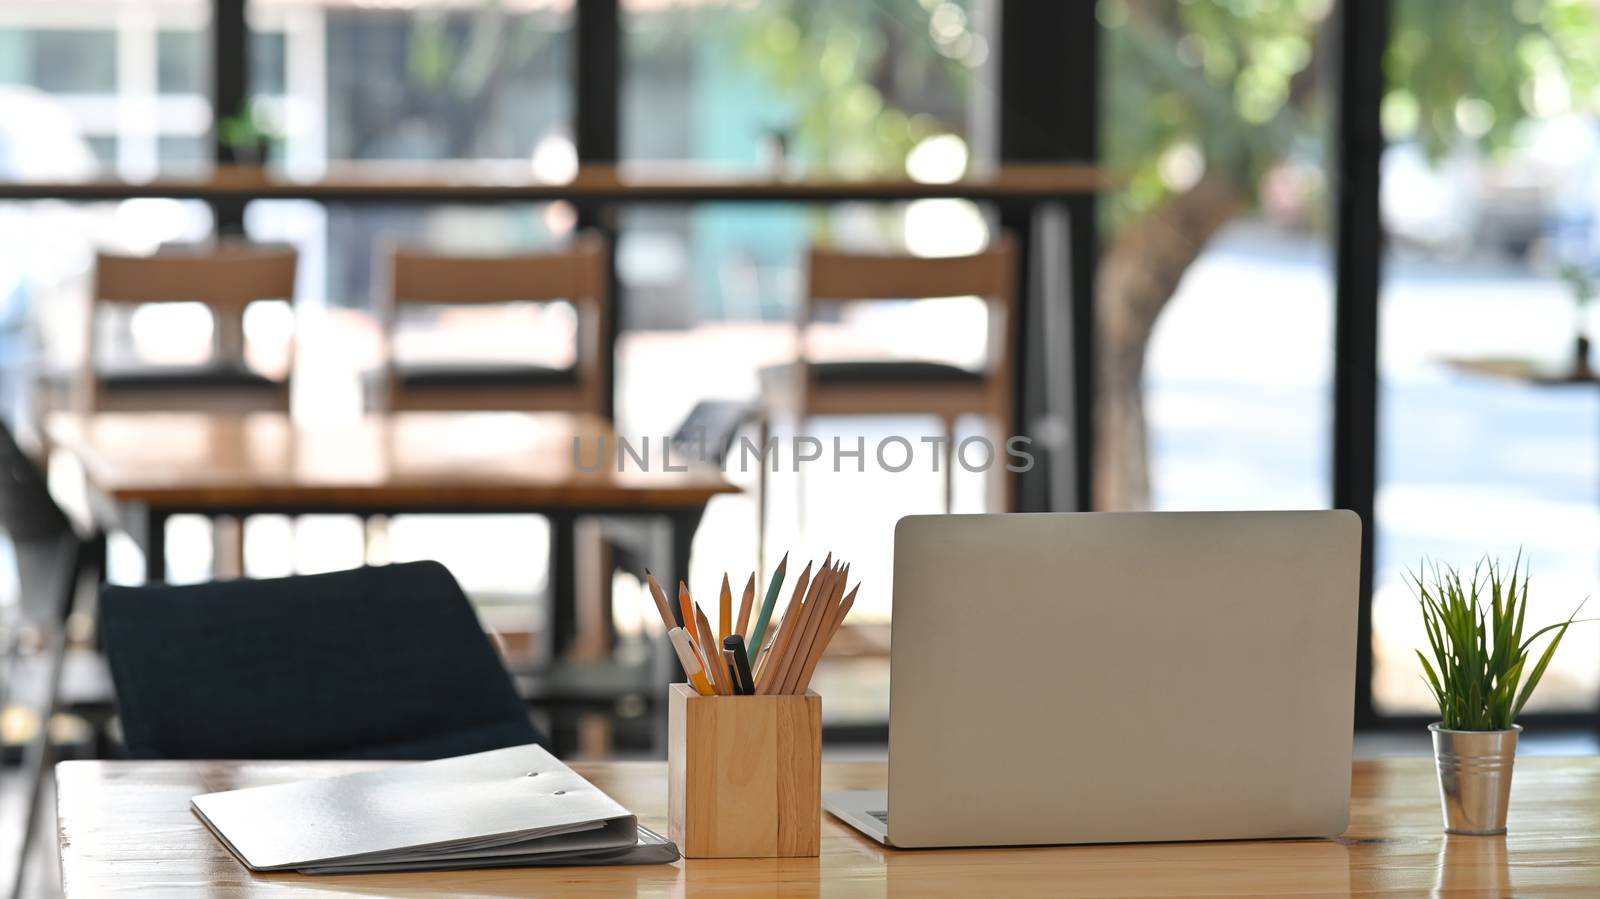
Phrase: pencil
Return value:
(830, 626)
(743, 626)
(771, 639)
(791, 644)
(785, 630)
(689, 658)
(686, 607)
(724, 611)
(708, 643)
(758, 634)
(660, 596)
(815, 620)
(795, 653)
(781, 629)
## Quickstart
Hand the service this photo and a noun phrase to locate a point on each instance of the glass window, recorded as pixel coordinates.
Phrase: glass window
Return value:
(96, 85)
(787, 88)
(1215, 289)
(426, 81)
(72, 61)
(838, 87)
(1490, 438)
(182, 63)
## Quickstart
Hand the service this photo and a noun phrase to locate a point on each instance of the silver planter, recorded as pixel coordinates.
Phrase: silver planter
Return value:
(1475, 777)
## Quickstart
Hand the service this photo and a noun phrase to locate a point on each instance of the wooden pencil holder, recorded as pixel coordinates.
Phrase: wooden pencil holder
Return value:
(744, 774)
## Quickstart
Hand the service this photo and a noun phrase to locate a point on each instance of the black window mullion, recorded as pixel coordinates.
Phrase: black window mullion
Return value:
(230, 89)
(1363, 40)
(1049, 113)
(597, 124)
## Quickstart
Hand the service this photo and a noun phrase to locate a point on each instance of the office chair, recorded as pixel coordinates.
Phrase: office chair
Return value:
(50, 557)
(373, 663)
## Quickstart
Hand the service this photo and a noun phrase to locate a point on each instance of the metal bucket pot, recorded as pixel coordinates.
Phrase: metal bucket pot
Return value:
(1475, 777)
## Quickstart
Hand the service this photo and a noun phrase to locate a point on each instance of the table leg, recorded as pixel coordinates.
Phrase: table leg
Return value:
(155, 546)
(563, 585)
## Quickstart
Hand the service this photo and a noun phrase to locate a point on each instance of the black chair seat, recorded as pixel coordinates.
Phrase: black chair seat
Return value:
(456, 376)
(844, 374)
(187, 377)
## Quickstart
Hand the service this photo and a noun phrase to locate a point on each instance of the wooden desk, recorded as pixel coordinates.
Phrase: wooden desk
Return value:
(125, 829)
(141, 468)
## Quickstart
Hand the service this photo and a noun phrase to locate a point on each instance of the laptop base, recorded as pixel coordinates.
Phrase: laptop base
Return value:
(865, 810)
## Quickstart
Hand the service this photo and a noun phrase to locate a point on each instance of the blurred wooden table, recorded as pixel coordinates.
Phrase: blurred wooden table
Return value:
(142, 468)
(125, 829)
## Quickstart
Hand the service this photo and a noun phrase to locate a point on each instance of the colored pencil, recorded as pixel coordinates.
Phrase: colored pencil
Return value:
(686, 607)
(758, 633)
(791, 615)
(726, 660)
(724, 611)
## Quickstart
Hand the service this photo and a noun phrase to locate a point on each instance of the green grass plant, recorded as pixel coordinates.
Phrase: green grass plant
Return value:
(1479, 674)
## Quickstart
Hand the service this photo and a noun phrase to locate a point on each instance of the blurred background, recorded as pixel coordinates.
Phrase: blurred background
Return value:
(1203, 298)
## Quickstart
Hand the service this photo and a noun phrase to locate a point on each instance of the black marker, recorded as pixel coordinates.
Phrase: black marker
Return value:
(739, 663)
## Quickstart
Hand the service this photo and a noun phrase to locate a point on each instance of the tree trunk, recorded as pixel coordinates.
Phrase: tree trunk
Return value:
(1138, 275)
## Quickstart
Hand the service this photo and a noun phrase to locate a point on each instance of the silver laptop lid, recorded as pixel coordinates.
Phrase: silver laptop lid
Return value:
(1107, 677)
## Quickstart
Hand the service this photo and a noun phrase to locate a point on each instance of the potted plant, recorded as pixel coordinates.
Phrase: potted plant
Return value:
(1481, 677)
(247, 136)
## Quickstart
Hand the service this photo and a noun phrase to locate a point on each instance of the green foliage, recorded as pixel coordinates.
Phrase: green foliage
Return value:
(1248, 83)
(831, 60)
(1235, 81)
(1474, 69)
(450, 53)
(249, 130)
(1479, 675)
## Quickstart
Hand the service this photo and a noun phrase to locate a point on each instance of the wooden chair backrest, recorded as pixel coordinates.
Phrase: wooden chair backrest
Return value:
(835, 277)
(577, 275)
(224, 278)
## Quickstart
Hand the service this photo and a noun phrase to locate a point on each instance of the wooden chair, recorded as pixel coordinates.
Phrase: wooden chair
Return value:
(577, 275)
(226, 279)
(807, 388)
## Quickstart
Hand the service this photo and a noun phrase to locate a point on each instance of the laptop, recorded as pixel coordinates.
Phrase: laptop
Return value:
(1118, 677)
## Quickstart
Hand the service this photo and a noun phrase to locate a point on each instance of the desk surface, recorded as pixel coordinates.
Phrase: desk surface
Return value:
(450, 460)
(125, 829)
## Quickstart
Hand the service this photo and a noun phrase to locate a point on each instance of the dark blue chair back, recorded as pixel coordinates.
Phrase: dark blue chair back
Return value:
(375, 663)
